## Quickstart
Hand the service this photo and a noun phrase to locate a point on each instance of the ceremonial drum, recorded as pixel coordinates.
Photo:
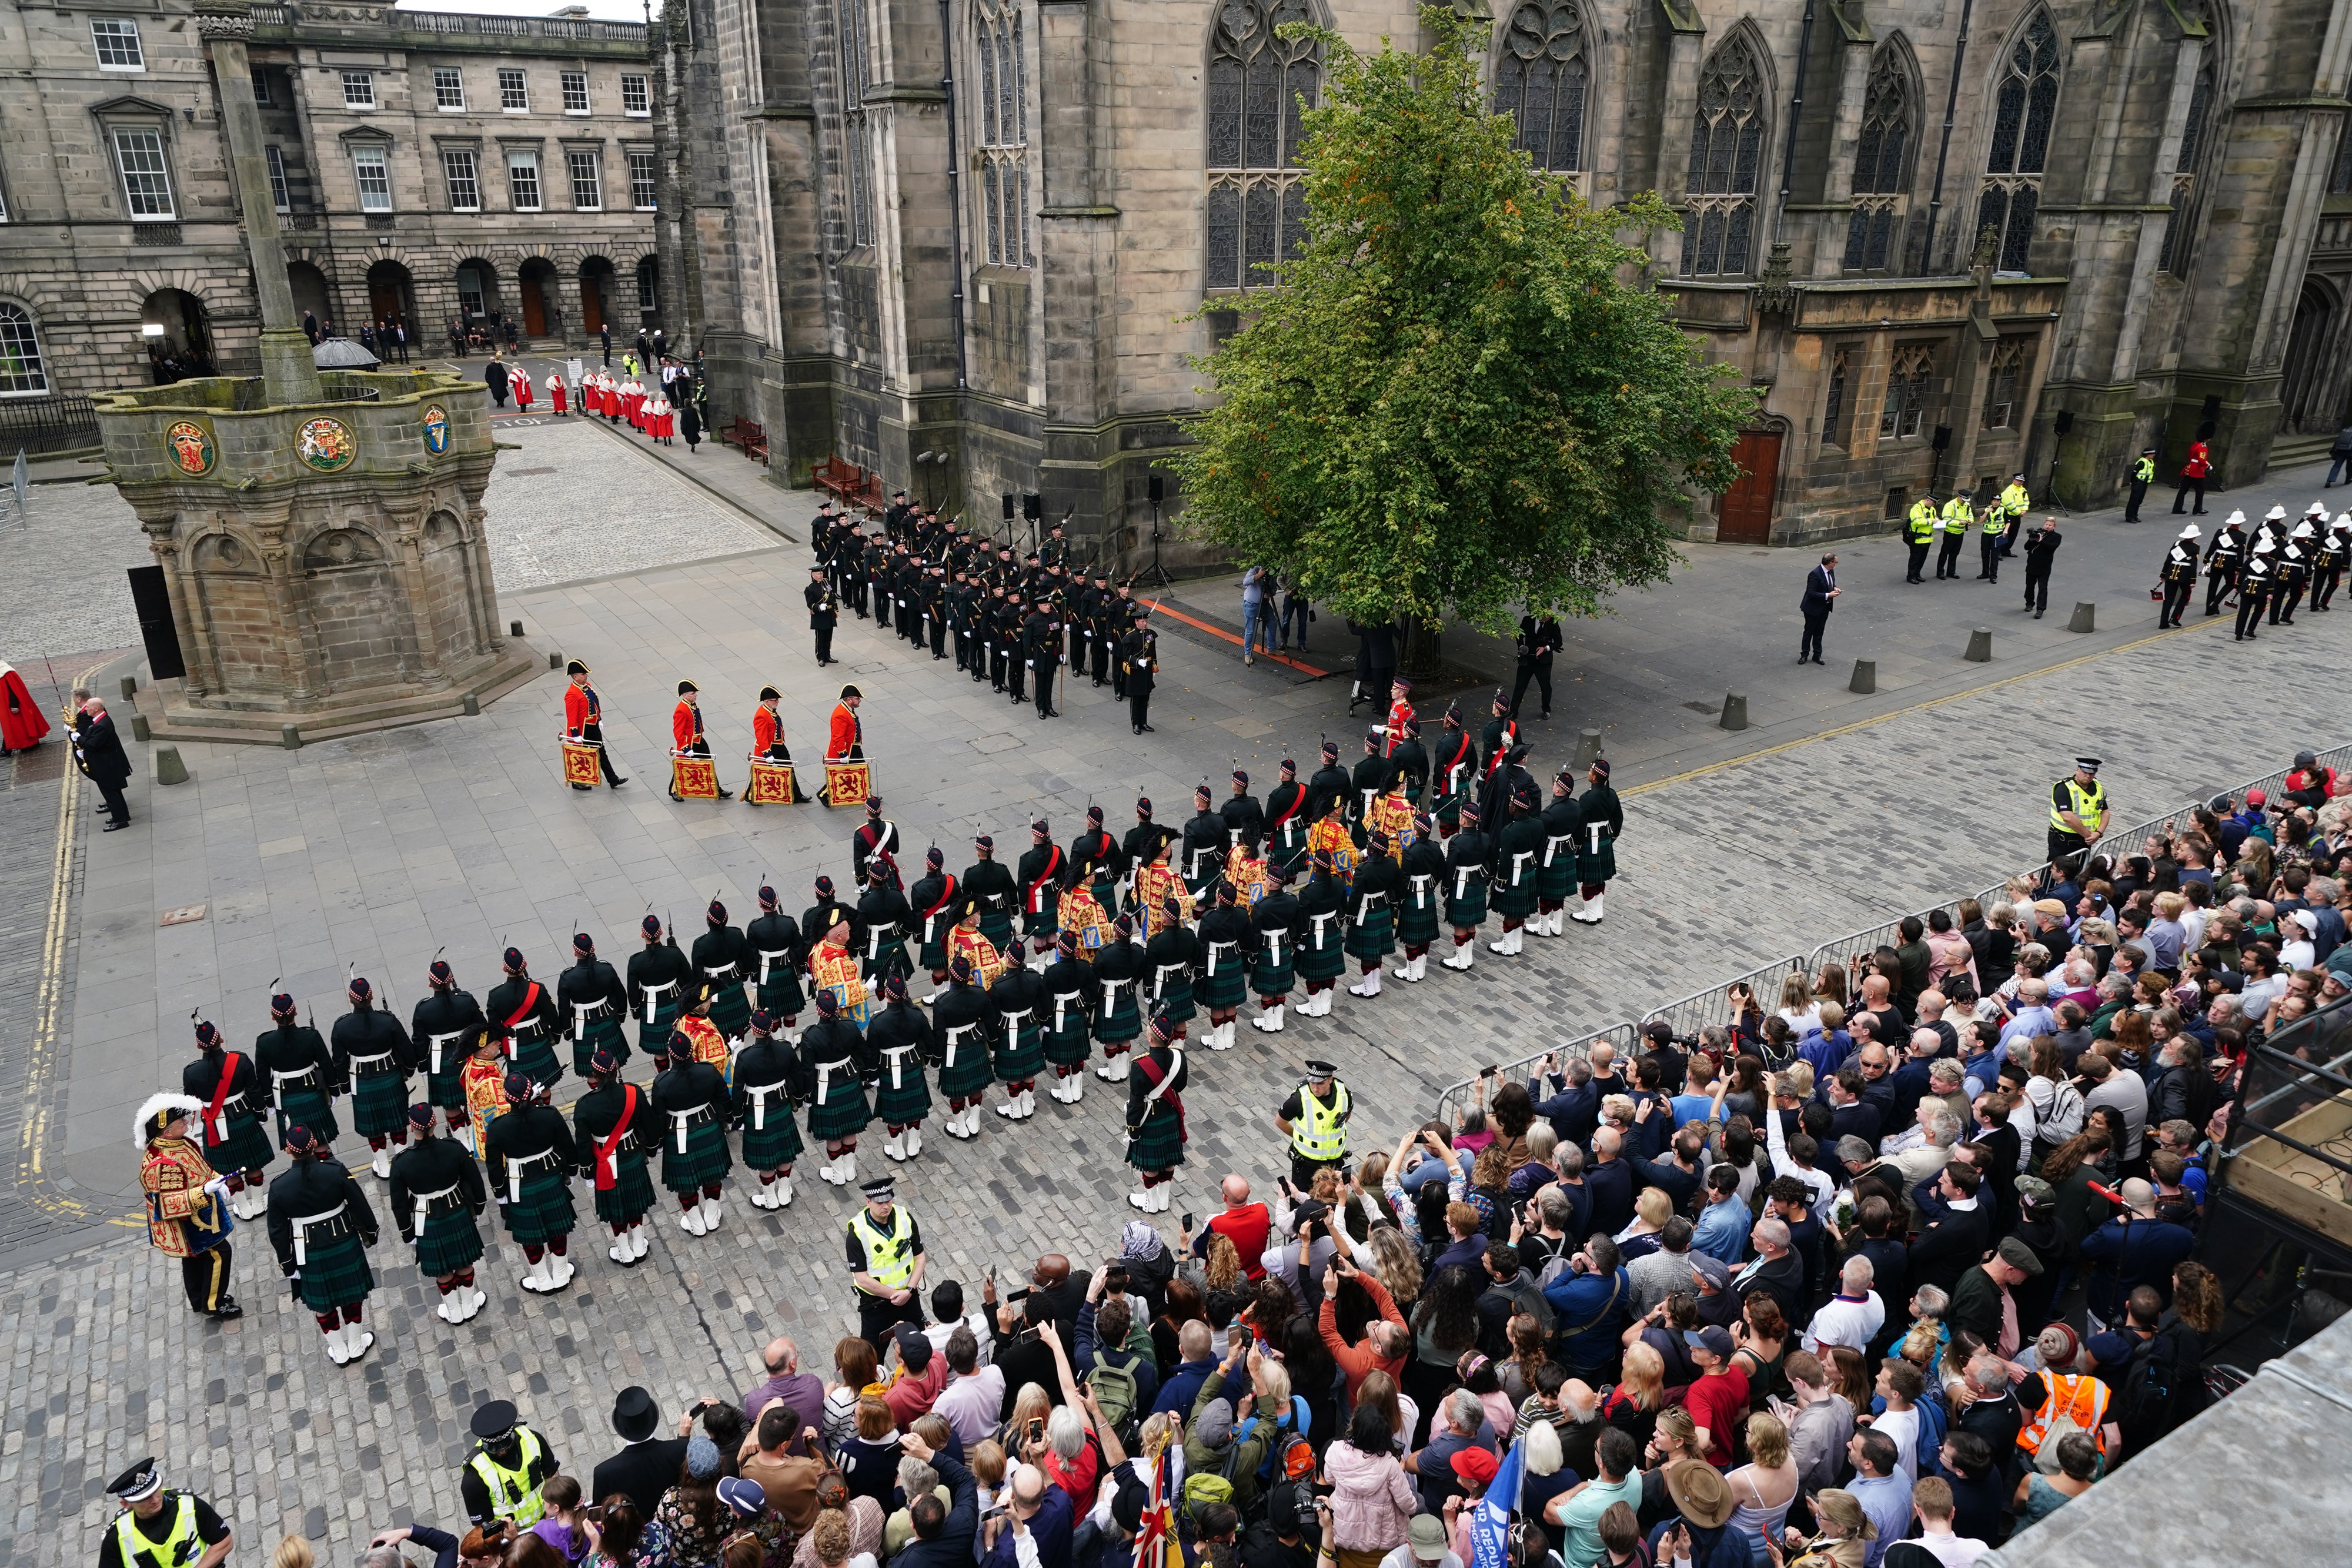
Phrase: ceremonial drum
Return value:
(579, 761)
(772, 783)
(848, 783)
(694, 778)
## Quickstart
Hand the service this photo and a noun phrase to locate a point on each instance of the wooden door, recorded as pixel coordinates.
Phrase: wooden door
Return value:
(592, 303)
(1746, 510)
(384, 300)
(534, 307)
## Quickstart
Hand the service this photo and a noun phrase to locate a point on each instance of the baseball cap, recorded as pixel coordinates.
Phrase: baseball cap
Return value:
(1427, 1535)
(1713, 1340)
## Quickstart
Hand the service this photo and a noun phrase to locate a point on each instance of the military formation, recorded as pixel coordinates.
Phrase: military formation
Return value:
(2273, 573)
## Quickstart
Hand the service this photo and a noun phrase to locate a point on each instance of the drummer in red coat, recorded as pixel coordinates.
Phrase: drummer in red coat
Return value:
(22, 724)
(767, 740)
(583, 719)
(685, 729)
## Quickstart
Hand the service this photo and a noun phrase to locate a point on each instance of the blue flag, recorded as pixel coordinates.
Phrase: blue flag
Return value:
(1490, 1526)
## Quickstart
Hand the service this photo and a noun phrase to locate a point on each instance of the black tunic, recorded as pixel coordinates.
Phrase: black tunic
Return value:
(454, 1018)
(1244, 819)
(433, 1165)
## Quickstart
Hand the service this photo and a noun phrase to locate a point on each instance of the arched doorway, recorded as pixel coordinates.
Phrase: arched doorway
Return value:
(1743, 516)
(541, 315)
(477, 291)
(178, 335)
(2307, 354)
(596, 277)
(310, 296)
(392, 295)
(648, 292)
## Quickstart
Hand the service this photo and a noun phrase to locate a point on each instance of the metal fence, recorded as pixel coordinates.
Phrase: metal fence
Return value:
(1461, 1096)
(59, 423)
(1688, 1015)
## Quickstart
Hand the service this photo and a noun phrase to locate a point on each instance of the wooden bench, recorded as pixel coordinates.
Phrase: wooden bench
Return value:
(747, 434)
(836, 477)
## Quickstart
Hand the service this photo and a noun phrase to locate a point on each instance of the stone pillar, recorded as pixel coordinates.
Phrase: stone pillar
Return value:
(289, 373)
(1077, 262)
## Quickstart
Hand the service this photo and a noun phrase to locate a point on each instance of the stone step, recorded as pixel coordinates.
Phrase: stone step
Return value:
(2292, 451)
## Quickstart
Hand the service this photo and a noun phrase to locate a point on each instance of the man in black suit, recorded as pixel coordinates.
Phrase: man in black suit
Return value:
(647, 1466)
(1821, 598)
(98, 751)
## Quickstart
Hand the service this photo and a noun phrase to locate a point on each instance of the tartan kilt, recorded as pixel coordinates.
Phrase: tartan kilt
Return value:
(632, 1194)
(603, 1035)
(1594, 870)
(1468, 912)
(1105, 891)
(1417, 927)
(1271, 980)
(1555, 881)
(543, 1212)
(537, 1058)
(1160, 1146)
(730, 1012)
(1373, 937)
(889, 959)
(932, 955)
(996, 924)
(706, 1159)
(1176, 1000)
(1287, 849)
(380, 1105)
(1070, 1045)
(843, 1112)
(653, 1039)
(337, 1275)
(1447, 808)
(1020, 1055)
(779, 994)
(1229, 987)
(968, 1076)
(774, 1145)
(445, 1088)
(244, 1146)
(1516, 903)
(449, 1242)
(1326, 963)
(1037, 923)
(907, 1104)
(308, 1108)
(1122, 1020)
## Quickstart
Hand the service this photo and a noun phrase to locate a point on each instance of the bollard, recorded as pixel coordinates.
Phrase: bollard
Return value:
(1735, 711)
(2083, 618)
(1865, 677)
(290, 736)
(472, 706)
(1980, 646)
(130, 685)
(1587, 748)
(514, 628)
(169, 769)
(139, 729)
(555, 660)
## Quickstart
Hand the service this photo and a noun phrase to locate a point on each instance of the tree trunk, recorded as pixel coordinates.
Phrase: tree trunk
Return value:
(1423, 649)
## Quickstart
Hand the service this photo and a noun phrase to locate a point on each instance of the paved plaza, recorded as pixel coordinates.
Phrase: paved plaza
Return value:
(458, 837)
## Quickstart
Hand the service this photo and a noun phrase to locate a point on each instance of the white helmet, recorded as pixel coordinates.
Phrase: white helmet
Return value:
(2189, 532)
(2303, 529)
(2237, 520)
(2277, 514)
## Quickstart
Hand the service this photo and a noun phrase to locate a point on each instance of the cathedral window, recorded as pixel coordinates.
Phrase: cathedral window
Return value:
(1258, 82)
(857, 150)
(997, 39)
(2024, 107)
(1541, 82)
(1726, 154)
(1882, 164)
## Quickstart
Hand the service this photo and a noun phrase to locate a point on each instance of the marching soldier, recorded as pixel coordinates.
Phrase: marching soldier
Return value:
(1017, 1047)
(1563, 825)
(1069, 1012)
(2179, 575)
(583, 720)
(2327, 570)
(2294, 574)
(1371, 929)
(1517, 852)
(160, 1529)
(990, 886)
(1204, 845)
(1419, 896)
(321, 1226)
(887, 921)
(686, 736)
(1155, 1116)
(1169, 960)
(1921, 526)
(2143, 475)
(823, 602)
(299, 1074)
(1243, 817)
(1228, 941)
(2225, 558)
(501, 1477)
(589, 994)
(835, 1064)
(234, 1145)
(523, 1017)
(657, 979)
(767, 740)
(188, 1204)
(1138, 665)
(1468, 854)
(530, 1156)
(1601, 820)
(445, 1027)
(1456, 769)
(876, 835)
(373, 1055)
(900, 1039)
(765, 1071)
(1373, 773)
(437, 1199)
(719, 957)
(1274, 918)
(1286, 817)
(617, 1130)
(1315, 1119)
(819, 918)
(1040, 876)
(2257, 581)
(692, 1096)
(885, 1253)
(933, 903)
(960, 1016)
(1117, 1007)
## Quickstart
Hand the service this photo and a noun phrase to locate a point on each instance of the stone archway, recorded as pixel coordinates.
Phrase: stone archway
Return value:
(177, 332)
(598, 297)
(2305, 371)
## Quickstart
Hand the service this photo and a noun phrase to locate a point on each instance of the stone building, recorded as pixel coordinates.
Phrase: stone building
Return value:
(972, 244)
(424, 165)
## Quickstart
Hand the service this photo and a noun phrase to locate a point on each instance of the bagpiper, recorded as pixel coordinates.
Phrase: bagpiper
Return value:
(657, 979)
(531, 1156)
(1563, 826)
(886, 919)
(299, 1078)
(445, 1027)
(373, 1054)
(1274, 918)
(321, 1226)
(1371, 917)
(1287, 821)
(591, 999)
(695, 1161)
(719, 957)
(1017, 1048)
(1322, 906)
(1601, 822)
(834, 1065)
(766, 1069)
(1155, 1116)
(228, 1084)
(616, 1130)
(1420, 898)
(1118, 1009)
(187, 1203)
(523, 1016)
(898, 1037)
(1067, 1004)
(778, 956)
(437, 1199)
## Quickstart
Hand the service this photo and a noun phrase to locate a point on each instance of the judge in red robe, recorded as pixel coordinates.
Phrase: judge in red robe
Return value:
(22, 724)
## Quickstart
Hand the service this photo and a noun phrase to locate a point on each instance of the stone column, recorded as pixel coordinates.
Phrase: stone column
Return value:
(1077, 262)
(289, 373)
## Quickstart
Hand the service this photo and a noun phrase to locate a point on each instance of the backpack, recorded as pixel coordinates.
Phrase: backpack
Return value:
(2151, 1386)
(1202, 1487)
(1114, 1390)
(1556, 1265)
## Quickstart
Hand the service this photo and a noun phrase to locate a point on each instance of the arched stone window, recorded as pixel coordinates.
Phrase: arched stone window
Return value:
(1256, 207)
(1882, 166)
(856, 146)
(22, 371)
(1727, 156)
(1542, 79)
(2180, 225)
(1005, 239)
(2025, 106)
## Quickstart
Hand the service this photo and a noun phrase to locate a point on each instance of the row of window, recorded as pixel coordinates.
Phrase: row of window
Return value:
(1910, 385)
(461, 177)
(147, 178)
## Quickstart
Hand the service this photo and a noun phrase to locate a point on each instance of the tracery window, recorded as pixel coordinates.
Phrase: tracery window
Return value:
(857, 152)
(1908, 379)
(2023, 110)
(2005, 377)
(1256, 205)
(1005, 239)
(1542, 79)
(1726, 153)
(1882, 163)
(2173, 257)
(1833, 411)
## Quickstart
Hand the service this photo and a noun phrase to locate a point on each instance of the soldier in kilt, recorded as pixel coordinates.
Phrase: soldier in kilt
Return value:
(1155, 1116)
(719, 959)
(1603, 823)
(1275, 918)
(1203, 854)
(899, 1037)
(1018, 999)
(321, 1226)
(445, 1027)
(658, 983)
(592, 1001)
(1040, 881)
(933, 902)
(522, 1015)
(1371, 916)
(992, 885)
(1117, 1006)
(887, 920)
(1454, 768)
(960, 1021)
(1556, 867)
(691, 1098)
(778, 950)
(1285, 821)
(834, 1065)
(1169, 962)
(1068, 1010)
(298, 1074)
(373, 1054)
(1227, 941)
(1467, 853)
(437, 1198)
(616, 1128)
(1418, 901)
(233, 1144)
(531, 1156)
(765, 1069)
(1516, 850)
(1322, 906)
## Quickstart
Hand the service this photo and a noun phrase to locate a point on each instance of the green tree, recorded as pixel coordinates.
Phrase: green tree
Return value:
(1454, 404)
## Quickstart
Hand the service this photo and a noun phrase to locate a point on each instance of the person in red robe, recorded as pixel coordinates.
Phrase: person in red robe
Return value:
(22, 722)
(555, 390)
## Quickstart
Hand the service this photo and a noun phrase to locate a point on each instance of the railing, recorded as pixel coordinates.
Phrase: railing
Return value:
(1458, 1098)
(36, 425)
(447, 22)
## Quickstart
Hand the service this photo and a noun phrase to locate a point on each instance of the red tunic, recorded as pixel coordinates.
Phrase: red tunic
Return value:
(685, 724)
(581, 707)
(1399, 712)
(846, 733)
(22, 724)
(767, 729)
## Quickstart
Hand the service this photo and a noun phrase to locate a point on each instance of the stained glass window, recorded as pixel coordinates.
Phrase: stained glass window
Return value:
(2006, 375)
(1541, 82)
(1258, 85)
(857, 153)
(1881, 167)
(1908, 381)
(2179, 222)
(1727, 150)
(2024, 109)
(1004, 134)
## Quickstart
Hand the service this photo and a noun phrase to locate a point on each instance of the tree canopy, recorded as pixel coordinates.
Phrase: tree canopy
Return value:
(1453, 402)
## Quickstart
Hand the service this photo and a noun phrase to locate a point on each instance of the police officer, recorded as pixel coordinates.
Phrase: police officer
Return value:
(1919, 531)
(2078, 809)
(1992, 539)
(2014, 501)
(162, 1529)
(2143, 473)
(1314, 1120)
(500, 1478)
(824, 613)
(885, 1248)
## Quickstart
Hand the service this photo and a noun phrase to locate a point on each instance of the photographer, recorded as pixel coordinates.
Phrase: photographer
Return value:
(1590, 1305)
(1112, 1334)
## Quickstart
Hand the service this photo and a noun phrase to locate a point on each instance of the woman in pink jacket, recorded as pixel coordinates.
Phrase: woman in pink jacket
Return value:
(1371, 1501)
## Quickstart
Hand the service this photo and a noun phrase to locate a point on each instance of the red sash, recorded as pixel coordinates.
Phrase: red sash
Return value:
(607, 1176)
(1509, 737)
(1461, 753)
(1152, 1073)
(1052, 869)
(529, 1001)
(220, 1097)
(1292, 810)
(946, 897)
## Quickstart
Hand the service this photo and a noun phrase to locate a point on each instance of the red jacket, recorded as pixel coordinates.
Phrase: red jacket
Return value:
(581, 707)
(846, 731)
(2199, 462)
(766, 730)
(685, 724)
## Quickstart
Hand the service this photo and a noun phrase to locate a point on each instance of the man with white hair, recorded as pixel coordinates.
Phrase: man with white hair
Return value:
(1461, 1425)
(2030, 1017)
(1854, 1316)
